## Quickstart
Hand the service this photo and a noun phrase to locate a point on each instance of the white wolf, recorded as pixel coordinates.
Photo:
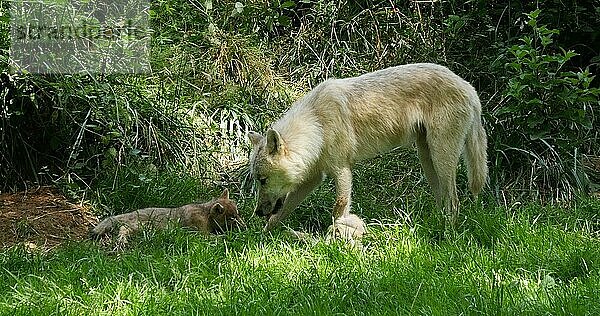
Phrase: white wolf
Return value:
(342, 121)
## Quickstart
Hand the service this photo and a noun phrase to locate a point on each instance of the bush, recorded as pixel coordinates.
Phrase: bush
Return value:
(546, 120)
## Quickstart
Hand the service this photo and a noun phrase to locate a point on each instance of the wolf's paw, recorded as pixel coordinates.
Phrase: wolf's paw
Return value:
(349, 228)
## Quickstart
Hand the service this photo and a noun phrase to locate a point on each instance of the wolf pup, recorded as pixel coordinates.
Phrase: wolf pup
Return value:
(342, 121)
(215, 216)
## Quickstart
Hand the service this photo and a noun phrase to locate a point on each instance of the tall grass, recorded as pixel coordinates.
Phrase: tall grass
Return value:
(221, 69)
(527, 260)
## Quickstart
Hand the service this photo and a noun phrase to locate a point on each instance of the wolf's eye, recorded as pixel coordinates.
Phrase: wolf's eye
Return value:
(262, 181)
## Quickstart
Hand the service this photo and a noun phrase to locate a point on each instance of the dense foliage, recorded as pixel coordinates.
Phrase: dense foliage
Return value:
(222, 68)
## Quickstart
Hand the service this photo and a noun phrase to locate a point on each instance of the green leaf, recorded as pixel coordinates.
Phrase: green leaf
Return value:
(284, 20)
(546, 40)
(134, 152)
(549, 58)
(534, 121)
(534, 14)
(567, 74)
(110, 153)
(506, 109)
(527, 40)
(534, 102)
(515, 66)
(288, 4)
(569, 54)
(541, 133)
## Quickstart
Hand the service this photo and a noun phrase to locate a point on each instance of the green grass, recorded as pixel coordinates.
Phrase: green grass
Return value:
(533, 268)
(522, 259)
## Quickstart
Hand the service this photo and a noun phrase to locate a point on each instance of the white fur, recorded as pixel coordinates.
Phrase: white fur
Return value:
(342, 121)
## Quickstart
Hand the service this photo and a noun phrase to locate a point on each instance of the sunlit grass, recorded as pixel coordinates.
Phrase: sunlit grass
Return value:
(531, 259)
(522, 258)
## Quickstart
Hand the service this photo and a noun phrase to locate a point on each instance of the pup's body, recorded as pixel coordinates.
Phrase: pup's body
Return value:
(342, 121)
(215, 216)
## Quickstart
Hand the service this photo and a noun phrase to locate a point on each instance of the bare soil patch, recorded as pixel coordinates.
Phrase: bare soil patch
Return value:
(42, 218)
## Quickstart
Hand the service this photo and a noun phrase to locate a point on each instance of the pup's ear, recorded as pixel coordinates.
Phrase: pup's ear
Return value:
(225, 194)
(274, 142)
(217, 209)
(255, 138)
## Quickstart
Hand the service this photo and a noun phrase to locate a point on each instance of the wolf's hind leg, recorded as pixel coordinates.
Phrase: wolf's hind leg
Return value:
(445, 155)
(427, 165)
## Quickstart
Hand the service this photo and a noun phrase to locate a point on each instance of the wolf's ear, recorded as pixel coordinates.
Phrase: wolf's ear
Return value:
(225, 194)
(255, 138)
(217, 209)
(274, 142)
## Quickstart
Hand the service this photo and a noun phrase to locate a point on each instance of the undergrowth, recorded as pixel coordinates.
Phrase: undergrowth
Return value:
(528, 260)
(219, 70)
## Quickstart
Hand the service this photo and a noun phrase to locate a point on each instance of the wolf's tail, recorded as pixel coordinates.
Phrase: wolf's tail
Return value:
(476, 154)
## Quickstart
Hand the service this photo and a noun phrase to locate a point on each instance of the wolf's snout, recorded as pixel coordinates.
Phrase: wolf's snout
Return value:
(268, 208)
(261, 208)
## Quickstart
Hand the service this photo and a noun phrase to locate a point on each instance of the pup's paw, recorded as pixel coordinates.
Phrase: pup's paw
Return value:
(349, 227)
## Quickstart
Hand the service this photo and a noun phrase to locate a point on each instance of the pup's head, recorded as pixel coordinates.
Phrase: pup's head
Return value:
(270, 167)
(224, 215)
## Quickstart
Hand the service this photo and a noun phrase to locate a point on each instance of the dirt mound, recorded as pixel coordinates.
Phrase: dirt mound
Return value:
(42, 218)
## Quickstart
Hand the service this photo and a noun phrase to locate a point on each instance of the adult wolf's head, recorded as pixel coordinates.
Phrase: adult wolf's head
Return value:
(270, 166)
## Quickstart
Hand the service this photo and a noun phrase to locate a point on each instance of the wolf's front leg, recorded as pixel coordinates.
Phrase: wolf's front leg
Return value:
(293, 199)
(343, 189)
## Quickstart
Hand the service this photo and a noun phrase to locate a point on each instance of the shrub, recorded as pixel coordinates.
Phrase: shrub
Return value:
(546, 120)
